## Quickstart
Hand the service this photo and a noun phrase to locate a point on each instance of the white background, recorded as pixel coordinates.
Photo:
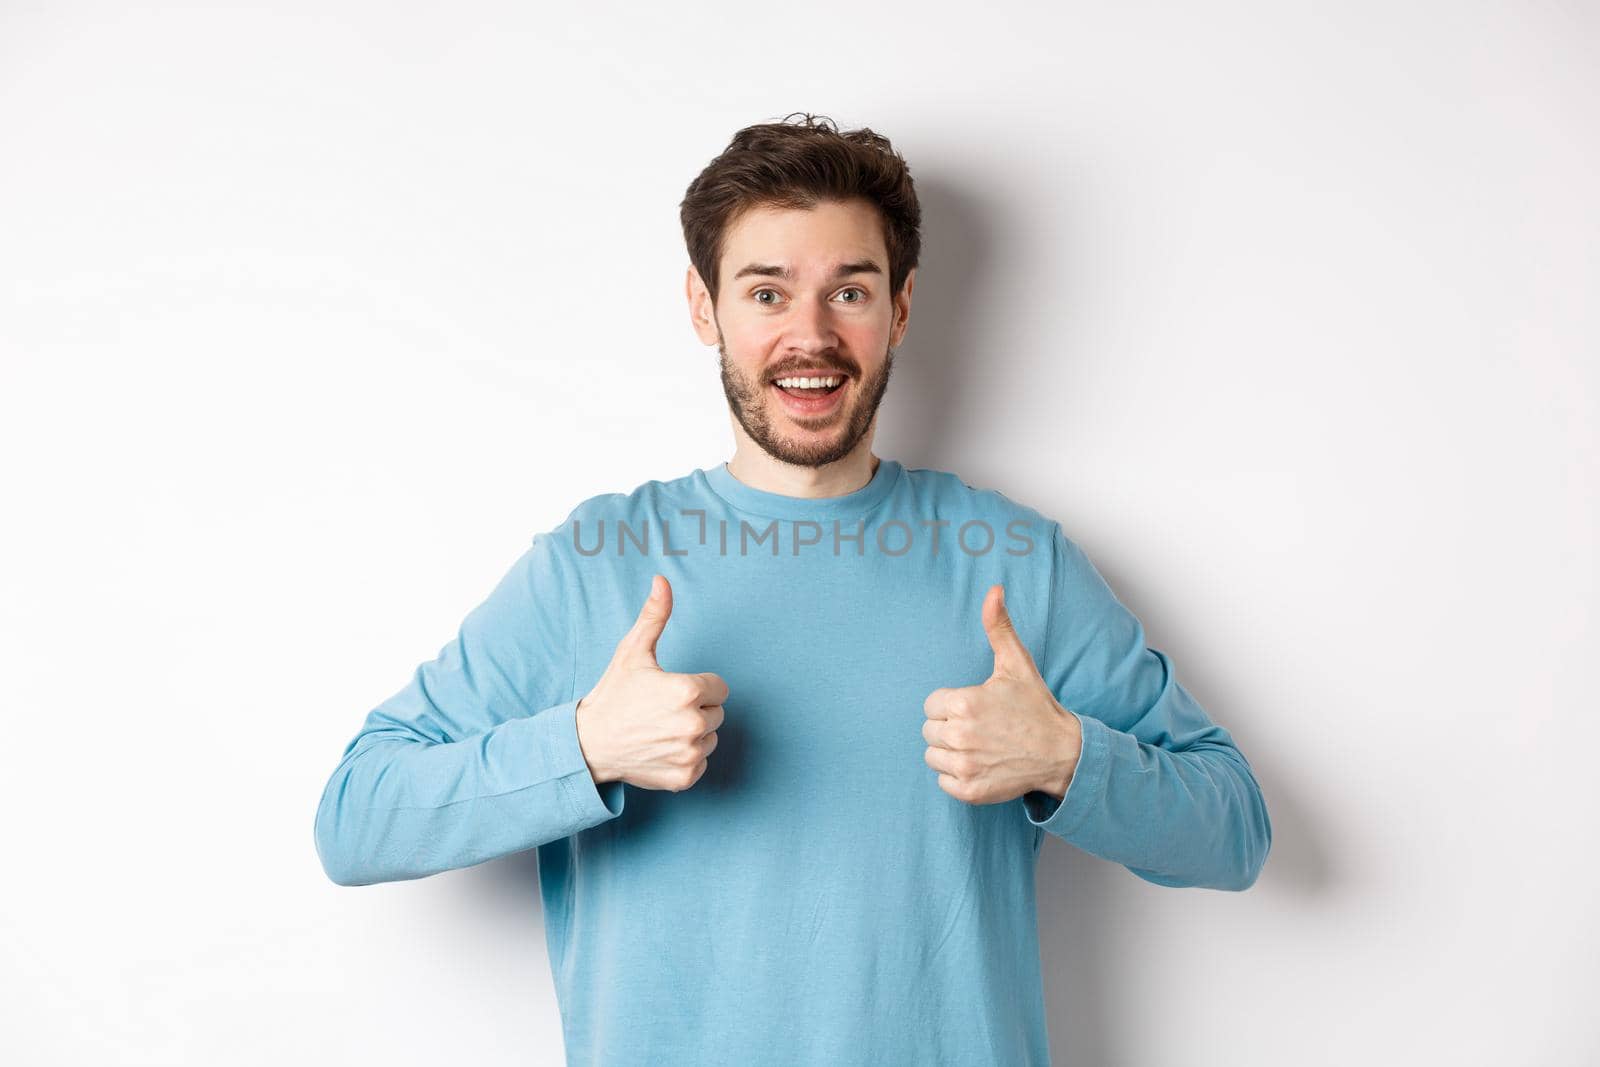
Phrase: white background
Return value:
(311, 317)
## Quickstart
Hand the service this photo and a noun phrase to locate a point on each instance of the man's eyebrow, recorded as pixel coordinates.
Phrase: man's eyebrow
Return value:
(860, 266)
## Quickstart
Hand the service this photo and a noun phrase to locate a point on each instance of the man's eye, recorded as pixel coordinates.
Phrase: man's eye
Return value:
(774, 292)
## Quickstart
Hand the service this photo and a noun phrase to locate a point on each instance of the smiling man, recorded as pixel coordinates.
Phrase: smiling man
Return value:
(788, 731)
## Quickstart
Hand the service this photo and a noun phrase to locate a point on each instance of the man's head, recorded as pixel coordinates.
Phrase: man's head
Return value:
(803, 245)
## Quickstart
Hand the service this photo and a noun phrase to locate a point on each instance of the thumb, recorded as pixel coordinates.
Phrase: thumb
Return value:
(639, 646)
(1011, 656)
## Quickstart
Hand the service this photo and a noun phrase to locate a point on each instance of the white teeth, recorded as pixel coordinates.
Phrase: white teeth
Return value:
(810, 383)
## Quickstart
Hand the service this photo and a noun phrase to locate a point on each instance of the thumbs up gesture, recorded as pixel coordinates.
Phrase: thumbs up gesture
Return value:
(999, 740)
(644, 725)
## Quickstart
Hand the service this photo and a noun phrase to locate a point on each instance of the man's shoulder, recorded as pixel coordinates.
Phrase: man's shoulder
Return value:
(644, 502)
(957, 497)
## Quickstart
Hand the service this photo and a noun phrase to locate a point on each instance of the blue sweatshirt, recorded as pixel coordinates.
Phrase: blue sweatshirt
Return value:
(816, 897)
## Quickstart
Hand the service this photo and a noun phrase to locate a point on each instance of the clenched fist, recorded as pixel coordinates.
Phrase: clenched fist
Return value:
(1006, 737)
(646, 726)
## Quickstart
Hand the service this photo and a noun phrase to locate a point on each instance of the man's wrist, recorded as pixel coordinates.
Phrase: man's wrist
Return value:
(1069, 752)
(578, 715)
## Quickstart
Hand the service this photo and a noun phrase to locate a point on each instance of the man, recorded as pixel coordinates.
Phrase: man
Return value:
(788, 731)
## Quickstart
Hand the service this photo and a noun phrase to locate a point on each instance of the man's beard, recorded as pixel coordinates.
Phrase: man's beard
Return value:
(748, 399)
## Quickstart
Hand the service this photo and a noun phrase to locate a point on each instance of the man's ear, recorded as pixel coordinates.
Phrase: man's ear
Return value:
(702, 313)
(902, 310)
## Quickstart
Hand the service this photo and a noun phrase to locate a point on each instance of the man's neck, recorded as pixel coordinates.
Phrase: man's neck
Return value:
(759, 470)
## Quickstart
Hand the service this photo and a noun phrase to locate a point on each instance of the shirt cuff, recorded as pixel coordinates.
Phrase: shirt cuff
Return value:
(589, 801)
(1083, 792)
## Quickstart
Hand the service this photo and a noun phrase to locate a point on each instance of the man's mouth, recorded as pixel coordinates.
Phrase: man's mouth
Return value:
(810, 395)
(810, 386)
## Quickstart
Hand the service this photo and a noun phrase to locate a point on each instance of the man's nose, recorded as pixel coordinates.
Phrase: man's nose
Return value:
(811, 326)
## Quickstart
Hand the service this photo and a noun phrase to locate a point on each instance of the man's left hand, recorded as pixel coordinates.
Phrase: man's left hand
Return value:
(1006, 737)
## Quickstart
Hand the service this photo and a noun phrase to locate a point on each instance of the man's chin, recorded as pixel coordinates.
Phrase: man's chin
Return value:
(809, 450)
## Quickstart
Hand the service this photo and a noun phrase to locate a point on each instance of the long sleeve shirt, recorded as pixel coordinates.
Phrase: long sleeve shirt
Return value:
(815, 897)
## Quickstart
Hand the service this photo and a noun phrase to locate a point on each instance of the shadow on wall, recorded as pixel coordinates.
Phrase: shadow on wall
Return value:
(926, 411)
(1090, 999)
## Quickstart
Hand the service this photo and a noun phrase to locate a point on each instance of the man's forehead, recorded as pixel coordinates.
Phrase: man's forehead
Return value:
(755, 243)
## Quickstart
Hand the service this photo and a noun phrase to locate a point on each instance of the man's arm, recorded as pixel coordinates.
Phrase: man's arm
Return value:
(1158, 787)
(478, 755)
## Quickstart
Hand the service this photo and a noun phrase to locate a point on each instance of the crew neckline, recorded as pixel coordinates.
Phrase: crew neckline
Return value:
(779, 506)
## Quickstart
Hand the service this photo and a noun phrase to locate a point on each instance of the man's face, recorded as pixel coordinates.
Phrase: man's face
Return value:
(831, 316)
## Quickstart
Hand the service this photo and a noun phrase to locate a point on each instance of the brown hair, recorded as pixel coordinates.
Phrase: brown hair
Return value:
(799, 165)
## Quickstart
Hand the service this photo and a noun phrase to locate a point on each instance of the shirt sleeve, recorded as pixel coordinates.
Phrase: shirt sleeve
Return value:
(477, 756)
(1159, 787)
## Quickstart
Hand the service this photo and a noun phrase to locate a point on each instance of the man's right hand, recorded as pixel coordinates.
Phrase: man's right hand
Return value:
(646, 726)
